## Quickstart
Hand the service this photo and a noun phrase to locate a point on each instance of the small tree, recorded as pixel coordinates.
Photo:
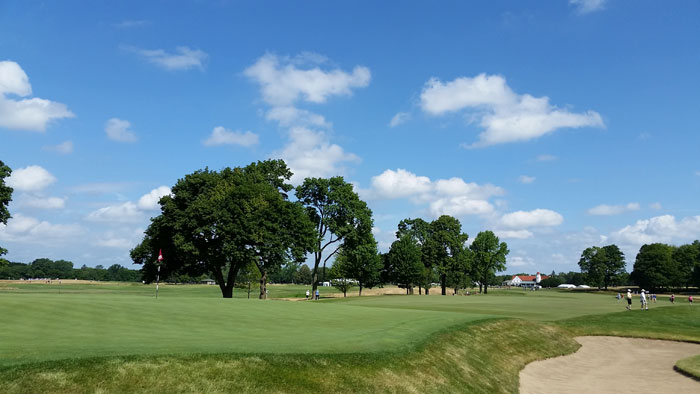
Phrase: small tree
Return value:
(341, 281)
(405, 263)
(5, 198)
(488, 256)
(444, 246)
(358, 258)
(247, 276)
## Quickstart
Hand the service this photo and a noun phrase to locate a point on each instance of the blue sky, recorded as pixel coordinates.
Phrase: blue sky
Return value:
(559, 125)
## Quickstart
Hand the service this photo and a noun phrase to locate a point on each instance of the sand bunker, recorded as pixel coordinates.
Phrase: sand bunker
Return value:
(613, 365)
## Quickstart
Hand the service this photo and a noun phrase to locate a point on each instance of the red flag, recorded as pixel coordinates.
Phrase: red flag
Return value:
(160, 255)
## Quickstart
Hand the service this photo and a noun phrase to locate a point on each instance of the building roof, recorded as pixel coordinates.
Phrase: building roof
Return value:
(529, 278)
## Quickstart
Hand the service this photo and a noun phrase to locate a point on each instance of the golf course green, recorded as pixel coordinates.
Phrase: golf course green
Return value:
(121, 338)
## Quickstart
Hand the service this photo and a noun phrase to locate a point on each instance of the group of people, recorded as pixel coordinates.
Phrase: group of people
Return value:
(643, 295)
(316, 295)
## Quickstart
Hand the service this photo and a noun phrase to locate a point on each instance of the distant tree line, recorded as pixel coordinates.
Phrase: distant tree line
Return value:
(62, 269)
(657, 266)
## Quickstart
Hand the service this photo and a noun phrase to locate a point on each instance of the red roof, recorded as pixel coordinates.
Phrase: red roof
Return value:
(529, 278)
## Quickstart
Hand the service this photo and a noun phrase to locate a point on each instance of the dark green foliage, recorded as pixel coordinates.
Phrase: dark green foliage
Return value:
(303, 275)
(5, 198)
(444, 247)
(686, 258)
(603, 266)
(488, 256)
(336, 212)
(404, 264)
(654, 267)
(358, 258)
(62, 269)
(218, 222)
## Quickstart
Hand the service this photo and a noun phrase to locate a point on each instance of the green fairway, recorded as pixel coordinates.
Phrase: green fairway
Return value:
(119, 338)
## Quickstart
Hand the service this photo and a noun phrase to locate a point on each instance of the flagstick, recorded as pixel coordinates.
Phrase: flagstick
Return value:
(157, 281)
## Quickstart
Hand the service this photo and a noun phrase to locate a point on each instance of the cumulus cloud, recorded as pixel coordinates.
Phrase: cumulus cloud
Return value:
(526, 179)
(399, 118)
(127, 212)
(451, 196)
(290, 116)
(534, 218)
(504, 115)
(32, 114)
(519, 261)
(514, 234)
(609, 210)
(31, 178)
(665, 228)
(587, 6)
(27, 229)
(120, 130)
(223, 136)
(64, 148)
(310, 153)
(283, 83)
(115, 242)
(150, 200)
(184, 58)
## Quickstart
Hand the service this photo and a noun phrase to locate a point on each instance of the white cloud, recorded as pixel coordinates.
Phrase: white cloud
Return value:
(514, 234)
(520, 261)
(101, 188)
(150, 200)
(400, 183)
(32, 114)
(504, 115)
(309, 153)
(534, 218)
(289, 116)
(115, 242)
(64, 148)
(222, 136)
(283, 83)
(659, 229)
(43, 202)
(399, 118)
(546, 157)
(459, 206)
(127, 212)
(655, 205)
(609, 210)
(31, 178)
(587, 6)
(184, 58)
(119, 130)
(26, 229)
(526, 179)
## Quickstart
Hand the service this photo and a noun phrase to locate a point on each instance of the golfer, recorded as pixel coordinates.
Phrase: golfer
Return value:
(307, 294)
(643, 300)
(629, 299)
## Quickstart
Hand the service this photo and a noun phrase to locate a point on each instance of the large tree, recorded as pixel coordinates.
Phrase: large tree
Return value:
(336, 211)
(654, 266)
(488, 256)
(358, 258)
(686, 257)
(5, 198)
(418, 230)
(218, 222)
(603, 266)
(444, 247)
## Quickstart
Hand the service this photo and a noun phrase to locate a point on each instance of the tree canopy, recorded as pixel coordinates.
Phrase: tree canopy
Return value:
(488, 256)
(218, 222)
(336, 212)
(5, 198)
(654, 266)
(444, 247)
(603, 266)
(358, 258)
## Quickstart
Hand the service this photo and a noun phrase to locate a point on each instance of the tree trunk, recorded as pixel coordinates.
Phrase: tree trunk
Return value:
(486, 288)
(480, 284)
(420, 290)
(314, 276)
(248, 289)
(427, 291)
(443, 283)
(263, 284)
(360, 289)
(227, 291)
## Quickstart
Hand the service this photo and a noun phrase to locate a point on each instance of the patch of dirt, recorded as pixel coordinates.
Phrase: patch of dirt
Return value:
(613, 365)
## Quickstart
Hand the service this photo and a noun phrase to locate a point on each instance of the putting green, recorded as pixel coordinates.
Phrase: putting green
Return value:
(83, 321)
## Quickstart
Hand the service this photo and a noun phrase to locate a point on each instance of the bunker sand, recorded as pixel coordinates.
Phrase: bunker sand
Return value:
(613, 365)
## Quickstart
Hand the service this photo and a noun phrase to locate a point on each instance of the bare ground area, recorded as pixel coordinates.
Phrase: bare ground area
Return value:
(613, 365)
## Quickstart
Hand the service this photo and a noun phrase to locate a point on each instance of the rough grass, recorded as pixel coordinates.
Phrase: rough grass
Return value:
(475, 358)
(690, 366)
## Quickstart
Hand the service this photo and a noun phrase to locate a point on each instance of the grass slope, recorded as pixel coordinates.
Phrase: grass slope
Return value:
(690, 366)
(476, 358)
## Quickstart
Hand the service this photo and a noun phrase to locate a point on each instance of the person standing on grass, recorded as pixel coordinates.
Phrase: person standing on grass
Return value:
(317, 295)
(673, 298)
(690, 299)
(643, 300)
(307, 294)
(629, 300)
